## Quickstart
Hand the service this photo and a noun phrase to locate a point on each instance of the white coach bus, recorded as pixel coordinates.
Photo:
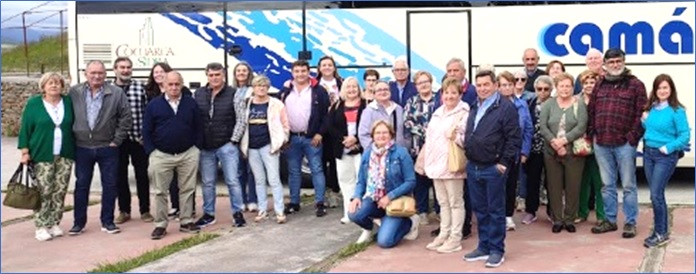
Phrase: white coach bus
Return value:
(657, 37)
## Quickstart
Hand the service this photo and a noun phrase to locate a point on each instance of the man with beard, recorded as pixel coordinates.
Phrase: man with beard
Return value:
(614, 114)
(132, 147)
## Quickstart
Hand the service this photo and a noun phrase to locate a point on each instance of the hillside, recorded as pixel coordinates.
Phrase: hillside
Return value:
(45, 52)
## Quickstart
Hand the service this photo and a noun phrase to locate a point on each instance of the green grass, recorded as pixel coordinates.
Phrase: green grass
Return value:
(343, 254)
(153, 255)
(44, 52)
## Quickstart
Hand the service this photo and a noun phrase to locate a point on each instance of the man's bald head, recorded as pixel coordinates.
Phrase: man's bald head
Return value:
(593, 60)
(173, 82)
(530, 59)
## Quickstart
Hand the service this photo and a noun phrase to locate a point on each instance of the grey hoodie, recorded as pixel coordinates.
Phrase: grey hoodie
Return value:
(375, 112)
(112, 123)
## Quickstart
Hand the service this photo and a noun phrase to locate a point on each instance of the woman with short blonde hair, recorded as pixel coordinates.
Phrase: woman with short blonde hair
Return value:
(46, 141)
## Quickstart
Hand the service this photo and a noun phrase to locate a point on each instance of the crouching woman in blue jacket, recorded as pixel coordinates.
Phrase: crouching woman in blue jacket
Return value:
(386, 173)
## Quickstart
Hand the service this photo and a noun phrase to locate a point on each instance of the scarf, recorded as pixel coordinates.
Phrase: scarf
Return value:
(376, 173)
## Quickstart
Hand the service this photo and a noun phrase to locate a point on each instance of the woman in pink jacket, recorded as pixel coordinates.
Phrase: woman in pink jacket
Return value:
(447, 124)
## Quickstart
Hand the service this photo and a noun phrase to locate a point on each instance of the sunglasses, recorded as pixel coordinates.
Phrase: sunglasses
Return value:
(543, 89)
(521, 79)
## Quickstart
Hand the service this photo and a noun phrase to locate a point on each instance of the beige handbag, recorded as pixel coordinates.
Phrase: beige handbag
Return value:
(404, 206)
(456, 159)
(582, 146)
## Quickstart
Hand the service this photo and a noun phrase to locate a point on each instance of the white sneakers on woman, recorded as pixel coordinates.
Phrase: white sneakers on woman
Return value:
(43, 235)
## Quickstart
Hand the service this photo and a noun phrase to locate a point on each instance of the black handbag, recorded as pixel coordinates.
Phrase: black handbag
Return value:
(24, 195)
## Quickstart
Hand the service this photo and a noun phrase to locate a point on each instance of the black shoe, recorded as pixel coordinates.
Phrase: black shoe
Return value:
(629, 231)
(206, 220)
(435, 232)
(158, 233)
(321, 209)
(557, 228)
(466, 232)
(190, 228)
(570, 228)
(110, 228)
(76, 230)
(291, 208)
(239, 219)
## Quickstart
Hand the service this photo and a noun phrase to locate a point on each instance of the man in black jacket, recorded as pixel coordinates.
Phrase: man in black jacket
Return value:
(307, 104)
(492, 142)
(222, 130)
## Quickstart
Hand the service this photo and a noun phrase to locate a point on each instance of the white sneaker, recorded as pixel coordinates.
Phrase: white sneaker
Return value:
(253, 207)
(262, 215)
(509, 223)
(413, 234)
(365, 237)
(377, 221)
(43, 235)
(345, 220)
(55, 231)
(424, 219)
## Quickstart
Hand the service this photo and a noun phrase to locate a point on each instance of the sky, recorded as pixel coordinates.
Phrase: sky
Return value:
(12, 8)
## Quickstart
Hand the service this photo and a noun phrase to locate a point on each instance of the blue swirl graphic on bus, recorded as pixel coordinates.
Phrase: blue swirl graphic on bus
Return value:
(270, 40)
(560, 39)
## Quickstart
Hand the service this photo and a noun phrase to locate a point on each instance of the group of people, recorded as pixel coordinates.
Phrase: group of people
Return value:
(485, 147)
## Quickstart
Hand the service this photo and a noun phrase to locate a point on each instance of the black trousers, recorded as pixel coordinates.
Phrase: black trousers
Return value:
(511, 189)
(330, 170)
(535, 170)
(133, 153)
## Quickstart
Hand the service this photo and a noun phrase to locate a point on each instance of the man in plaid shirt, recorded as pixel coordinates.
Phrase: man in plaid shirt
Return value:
(614, 113)
(133, 146)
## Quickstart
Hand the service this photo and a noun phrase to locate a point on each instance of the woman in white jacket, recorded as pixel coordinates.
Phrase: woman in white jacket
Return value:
(266, 132)
(447, 124)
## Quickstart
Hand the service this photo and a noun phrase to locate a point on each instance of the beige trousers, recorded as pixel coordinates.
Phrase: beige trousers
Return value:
(450, 195)
(161, 172)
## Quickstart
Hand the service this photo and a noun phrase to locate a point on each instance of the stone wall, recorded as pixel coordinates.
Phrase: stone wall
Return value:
(15, 93)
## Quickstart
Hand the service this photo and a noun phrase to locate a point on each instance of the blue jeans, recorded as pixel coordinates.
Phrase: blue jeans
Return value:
(107, 159)
(247, 181)
(658, 170)
(522, 186)
(487, 192)
(618, 162)
(228, 156)
(392, 229)
(266, 167)
(422, 195)
(302, 146)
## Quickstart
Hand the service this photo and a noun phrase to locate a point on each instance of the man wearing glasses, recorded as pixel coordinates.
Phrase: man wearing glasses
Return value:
(401, 88)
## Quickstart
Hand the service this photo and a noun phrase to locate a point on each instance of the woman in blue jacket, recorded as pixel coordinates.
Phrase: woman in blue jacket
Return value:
(666, 135)
(386, 173)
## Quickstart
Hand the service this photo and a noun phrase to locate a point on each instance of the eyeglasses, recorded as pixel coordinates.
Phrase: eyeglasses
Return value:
(543, 89)
(521, 79)
(382, 90)
(399, 69)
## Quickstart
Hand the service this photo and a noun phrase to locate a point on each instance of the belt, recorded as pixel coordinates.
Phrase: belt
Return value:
(299, 134)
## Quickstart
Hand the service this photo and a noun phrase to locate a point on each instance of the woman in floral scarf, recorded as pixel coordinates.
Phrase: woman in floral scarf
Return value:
(386, 173)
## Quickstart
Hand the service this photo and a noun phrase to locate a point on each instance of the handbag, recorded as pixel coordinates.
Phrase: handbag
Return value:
(23, 195)
(456, 159)
(404, 206)
(582, 146)
(419, 166)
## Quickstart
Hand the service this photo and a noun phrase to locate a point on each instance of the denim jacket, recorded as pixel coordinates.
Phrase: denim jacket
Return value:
(401, 176)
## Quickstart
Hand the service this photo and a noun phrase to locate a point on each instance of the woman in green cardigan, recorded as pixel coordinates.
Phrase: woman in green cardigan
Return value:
(46, 140)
